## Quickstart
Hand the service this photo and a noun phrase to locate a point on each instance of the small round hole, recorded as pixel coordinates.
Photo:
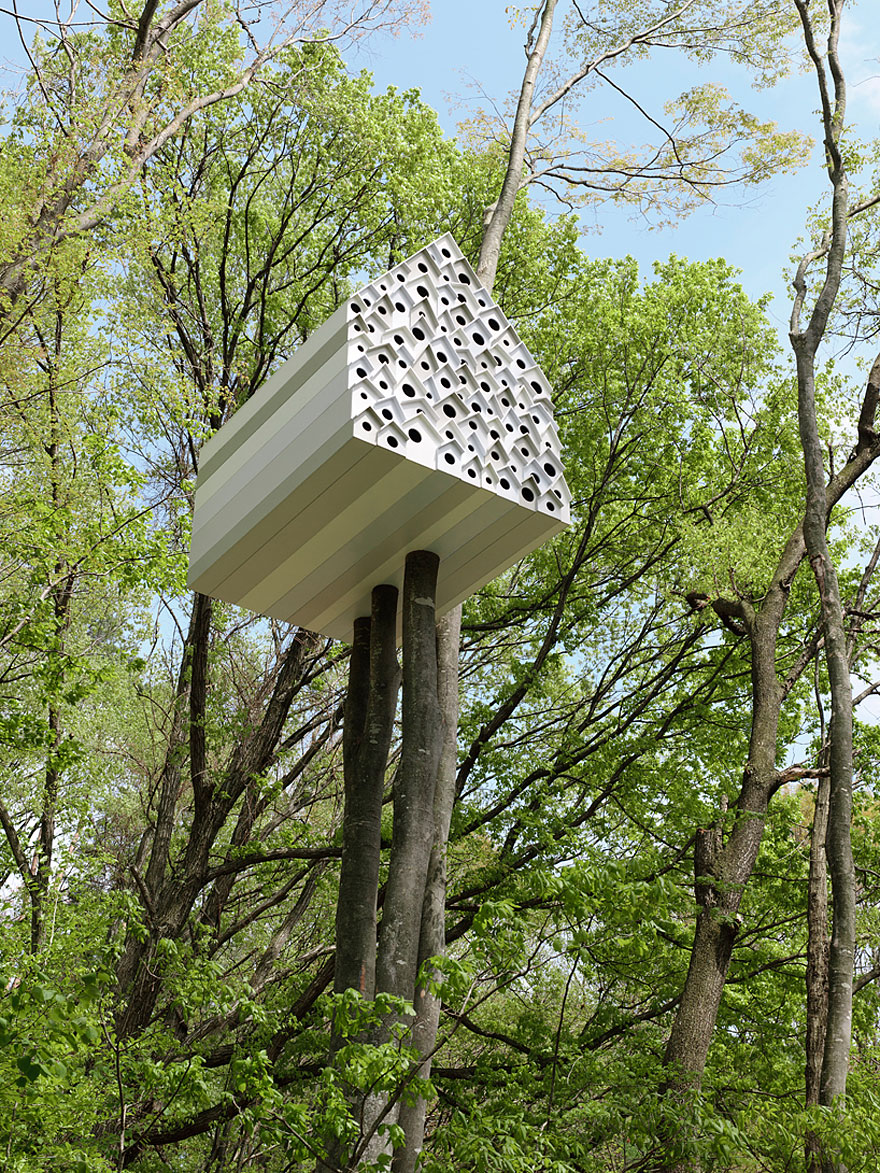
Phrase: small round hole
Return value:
(419, 333)
(550, 469)
(421, 291)
(520, 364)
(449, 410)
(423, 268)
(387, 414)
(472, 473)
(528, 495)
(551, 506)
(464, 279)
(504, 483)
(494, 324)
(479, 339)
(360, 372)
(367, 427)
(449, 458)
(393, 442)
(446, 252)
(355, 308)
(444, 382)
(415, 435)
(408, 390)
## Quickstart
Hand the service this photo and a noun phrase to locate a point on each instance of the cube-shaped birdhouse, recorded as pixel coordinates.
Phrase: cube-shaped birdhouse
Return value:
(413, 419)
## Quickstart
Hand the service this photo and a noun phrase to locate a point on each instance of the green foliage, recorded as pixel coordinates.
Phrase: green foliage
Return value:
(170, 1008)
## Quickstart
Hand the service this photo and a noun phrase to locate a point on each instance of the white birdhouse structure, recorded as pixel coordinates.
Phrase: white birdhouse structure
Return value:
(413, 419)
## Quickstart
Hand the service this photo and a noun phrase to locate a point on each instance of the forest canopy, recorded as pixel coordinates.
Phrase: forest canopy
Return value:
(626, 952)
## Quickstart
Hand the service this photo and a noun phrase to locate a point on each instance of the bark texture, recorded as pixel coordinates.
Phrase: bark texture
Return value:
(421, 734)
(432, 937)
(817, 966)
(371, 704)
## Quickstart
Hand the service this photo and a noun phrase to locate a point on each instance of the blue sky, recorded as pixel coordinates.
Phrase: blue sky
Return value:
(469, 54)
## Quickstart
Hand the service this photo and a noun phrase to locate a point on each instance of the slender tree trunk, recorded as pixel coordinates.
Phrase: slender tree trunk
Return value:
(499, 214)
(838, 1031)
(805, 343)
(817, 966)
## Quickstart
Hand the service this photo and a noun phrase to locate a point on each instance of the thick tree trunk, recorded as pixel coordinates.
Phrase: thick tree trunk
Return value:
(413, 837)
(421, 734)
(370, 708)
(725, 867)
(432, 940)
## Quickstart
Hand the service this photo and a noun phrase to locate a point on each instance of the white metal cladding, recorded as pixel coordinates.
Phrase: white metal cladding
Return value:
(414, 418)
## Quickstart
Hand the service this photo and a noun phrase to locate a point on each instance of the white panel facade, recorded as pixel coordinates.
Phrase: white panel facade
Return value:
(414, 418)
